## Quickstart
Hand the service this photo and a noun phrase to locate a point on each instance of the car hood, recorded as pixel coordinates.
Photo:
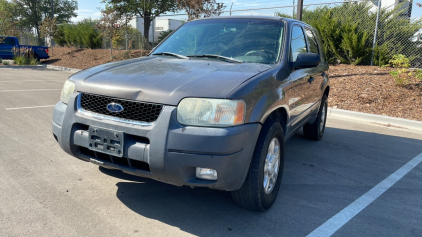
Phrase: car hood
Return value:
(165, 80)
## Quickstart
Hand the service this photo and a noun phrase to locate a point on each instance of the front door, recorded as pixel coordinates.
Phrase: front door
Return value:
(299, 89)
(317, 73)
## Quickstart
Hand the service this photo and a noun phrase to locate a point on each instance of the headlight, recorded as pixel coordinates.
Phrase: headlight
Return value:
(211, 112)
(67, 91)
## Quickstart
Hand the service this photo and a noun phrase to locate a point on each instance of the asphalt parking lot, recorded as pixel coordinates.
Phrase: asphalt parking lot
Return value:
(359, 168)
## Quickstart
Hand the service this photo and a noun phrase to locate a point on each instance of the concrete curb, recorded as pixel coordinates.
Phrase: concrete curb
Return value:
(59, 68)
(405, 123)
(52, 67)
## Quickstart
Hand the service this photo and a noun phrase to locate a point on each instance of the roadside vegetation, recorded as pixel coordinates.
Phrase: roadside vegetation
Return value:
(347, 31)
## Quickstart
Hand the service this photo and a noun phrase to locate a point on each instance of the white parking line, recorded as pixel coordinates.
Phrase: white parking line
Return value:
(30, 90)
(337, 221)
(33, 107)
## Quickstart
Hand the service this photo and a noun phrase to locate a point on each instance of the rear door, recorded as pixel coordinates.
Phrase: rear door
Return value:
(298, 91)
(316, 74)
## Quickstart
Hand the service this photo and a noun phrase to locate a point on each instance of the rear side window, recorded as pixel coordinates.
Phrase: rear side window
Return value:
(298, 44)
(312, 42)
(7, 41)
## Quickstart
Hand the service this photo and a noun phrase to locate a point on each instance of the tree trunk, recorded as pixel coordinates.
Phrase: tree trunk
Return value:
(147, 24)
(37, 27)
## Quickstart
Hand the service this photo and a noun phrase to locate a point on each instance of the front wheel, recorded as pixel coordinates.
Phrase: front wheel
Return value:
(262, 183)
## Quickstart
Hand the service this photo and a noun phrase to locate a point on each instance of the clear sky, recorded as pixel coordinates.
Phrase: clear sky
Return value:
(88, 8)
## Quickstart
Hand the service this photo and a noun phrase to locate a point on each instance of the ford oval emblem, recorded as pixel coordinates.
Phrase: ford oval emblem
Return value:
(114, 107)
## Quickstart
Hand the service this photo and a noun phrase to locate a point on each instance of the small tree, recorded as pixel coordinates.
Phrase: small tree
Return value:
(9, 21)
(48, 28)
(200, 8)
(109, 24)
(147, 9)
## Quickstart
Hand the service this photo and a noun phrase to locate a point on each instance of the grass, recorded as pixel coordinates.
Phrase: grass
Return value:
(33, 61)
(21, 60)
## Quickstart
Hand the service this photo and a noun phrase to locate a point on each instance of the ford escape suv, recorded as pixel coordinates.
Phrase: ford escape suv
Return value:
(210, 106)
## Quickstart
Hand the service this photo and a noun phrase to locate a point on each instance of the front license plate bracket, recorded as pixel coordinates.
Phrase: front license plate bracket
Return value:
(106, 141)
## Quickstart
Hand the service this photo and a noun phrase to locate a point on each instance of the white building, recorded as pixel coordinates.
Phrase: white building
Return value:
(391, 4)
(157, 26)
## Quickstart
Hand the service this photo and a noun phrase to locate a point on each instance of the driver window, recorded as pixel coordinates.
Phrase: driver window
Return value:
(298, 44)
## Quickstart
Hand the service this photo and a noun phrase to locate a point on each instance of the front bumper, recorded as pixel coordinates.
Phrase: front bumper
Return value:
(165, 150)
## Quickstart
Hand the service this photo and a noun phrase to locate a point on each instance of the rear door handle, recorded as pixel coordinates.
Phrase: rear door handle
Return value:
(311, 79)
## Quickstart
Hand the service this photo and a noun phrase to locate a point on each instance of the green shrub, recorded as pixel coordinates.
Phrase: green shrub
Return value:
(347, 31)
(33, 61)
(90, 37)
(21, 60)
(354, 43)
(401, 73)
(83, 34)
(133, 35)
(5, 63)
(1, 60)
(126, 55)
(381, 55)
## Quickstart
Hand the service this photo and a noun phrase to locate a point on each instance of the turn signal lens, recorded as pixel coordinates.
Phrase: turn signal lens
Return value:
(211, 112)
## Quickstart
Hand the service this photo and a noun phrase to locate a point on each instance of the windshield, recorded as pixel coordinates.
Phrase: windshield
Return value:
(247, 40)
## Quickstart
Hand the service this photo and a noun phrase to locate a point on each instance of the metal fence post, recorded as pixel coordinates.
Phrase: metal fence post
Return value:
(375, 33)
(299, 10)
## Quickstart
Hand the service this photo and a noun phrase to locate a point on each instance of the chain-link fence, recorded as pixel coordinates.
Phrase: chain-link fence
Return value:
(354, 31)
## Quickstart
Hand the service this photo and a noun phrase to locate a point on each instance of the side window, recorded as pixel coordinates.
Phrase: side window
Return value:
(10, 41)
(298, 44)
(313, 45)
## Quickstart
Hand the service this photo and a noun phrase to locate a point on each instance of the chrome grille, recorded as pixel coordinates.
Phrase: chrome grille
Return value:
(133, 110)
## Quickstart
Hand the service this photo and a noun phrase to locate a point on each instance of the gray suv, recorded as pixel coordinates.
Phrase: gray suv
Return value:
(210, 106)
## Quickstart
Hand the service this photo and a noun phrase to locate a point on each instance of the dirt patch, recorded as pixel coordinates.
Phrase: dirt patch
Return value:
(86, 58)
(372, 90)
(358, 88)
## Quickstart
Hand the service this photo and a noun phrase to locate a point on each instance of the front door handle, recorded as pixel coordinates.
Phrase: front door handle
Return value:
(311, 79)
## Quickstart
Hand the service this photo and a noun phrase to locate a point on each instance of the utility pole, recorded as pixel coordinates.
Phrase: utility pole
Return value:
(299, 10)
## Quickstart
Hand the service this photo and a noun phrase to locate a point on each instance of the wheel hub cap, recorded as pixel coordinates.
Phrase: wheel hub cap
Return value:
(272, 166)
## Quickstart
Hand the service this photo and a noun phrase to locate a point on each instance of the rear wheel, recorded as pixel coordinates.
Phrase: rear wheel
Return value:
(36, 57)
(316, 130)
(262, 183)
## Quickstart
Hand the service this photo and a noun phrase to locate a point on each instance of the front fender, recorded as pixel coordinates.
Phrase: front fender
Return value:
(263, 94)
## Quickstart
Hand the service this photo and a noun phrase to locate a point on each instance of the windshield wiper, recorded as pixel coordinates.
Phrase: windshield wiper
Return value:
(172, 54)
(216, 56)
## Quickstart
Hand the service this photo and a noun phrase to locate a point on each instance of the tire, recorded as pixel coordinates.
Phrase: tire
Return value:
(253, 195)
(316, 130)
(36, 57)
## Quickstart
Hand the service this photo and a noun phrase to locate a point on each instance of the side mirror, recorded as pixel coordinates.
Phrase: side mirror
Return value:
(307, 60)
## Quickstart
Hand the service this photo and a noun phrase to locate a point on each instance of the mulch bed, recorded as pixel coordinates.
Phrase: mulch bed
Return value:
(86, 58)
(358, 88)
(372, 90)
